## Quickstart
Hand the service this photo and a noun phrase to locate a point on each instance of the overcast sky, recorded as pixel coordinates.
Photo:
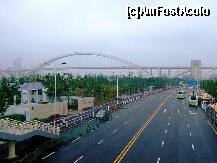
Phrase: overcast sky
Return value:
(37, 30)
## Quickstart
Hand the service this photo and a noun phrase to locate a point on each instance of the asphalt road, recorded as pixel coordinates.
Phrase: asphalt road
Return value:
(158, 128)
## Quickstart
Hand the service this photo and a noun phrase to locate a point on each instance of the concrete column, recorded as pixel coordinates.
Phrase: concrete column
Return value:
(151, 72)
(11, 149)
(169, 73)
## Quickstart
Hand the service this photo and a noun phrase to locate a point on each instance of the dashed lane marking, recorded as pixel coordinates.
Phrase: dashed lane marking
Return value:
(100, 142)
(165, 132)
(193, 148)
(162, 144)
(158, 160)
(116, 117)
(125, 123)
(190, 134)
(48, 155)
(78, 159)
(114, 131)
(168, 123)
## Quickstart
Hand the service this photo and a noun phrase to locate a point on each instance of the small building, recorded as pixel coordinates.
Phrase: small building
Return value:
(79, 103)
(33, 93)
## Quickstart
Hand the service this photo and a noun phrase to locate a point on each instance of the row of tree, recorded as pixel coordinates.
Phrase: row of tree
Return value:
(99, 86)
(210, 86)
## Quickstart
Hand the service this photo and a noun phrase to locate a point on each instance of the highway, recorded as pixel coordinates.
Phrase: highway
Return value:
(156, 129)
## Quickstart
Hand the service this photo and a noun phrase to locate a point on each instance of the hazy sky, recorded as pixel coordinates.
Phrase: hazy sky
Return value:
(37, 30)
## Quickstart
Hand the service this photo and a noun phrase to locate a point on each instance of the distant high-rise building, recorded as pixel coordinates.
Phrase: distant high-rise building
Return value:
(196, 69)
(17, 64)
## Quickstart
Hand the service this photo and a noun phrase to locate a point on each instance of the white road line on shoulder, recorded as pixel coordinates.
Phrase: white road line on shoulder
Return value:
(190, 134)
(165, 132)
(78, 159)
(178, 111)
(76, 139)
(162, 144)
(168, 123)
(48, 155)
(193, 148)
(100, 142)
(116, 117)
(188, 125)
(158, 160)
(114, 131)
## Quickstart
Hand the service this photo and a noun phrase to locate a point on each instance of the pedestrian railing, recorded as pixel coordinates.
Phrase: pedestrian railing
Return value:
(20, 128)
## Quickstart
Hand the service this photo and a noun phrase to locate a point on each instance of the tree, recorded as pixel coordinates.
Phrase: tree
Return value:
(3, 102)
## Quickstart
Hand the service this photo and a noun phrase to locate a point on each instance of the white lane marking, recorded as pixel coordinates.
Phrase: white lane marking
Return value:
(188, 125)
(193, 148)
(178, 111)
(169, 117)
(192, 113)
(162, 144)
(165, 132)
(125, 123)
(48, 155)
(78, 159)
(190, 133)
(116, 117)
(114, 131)
(76, 139)
(168, 123)
(158, 160)
(100, 142)
(165, 110)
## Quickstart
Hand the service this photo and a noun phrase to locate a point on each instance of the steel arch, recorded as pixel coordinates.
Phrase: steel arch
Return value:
(120, 60)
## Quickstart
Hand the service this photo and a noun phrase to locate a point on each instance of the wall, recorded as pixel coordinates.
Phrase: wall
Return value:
(85, 102)
(38, 110)
(45, 110)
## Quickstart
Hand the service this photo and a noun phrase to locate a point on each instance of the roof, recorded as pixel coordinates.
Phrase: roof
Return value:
(32, 86)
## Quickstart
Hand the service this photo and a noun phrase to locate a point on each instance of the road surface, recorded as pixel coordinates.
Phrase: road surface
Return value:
(156, 129)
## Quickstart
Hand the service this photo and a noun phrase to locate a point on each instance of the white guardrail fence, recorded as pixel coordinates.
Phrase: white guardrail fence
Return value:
(19, 128)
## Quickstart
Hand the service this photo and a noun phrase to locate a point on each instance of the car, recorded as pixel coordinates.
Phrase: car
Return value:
(193, 100)
(180, 95)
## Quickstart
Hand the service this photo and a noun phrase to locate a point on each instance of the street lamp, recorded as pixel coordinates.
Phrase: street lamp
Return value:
(55, 87)
(117, 93)
(117, 86)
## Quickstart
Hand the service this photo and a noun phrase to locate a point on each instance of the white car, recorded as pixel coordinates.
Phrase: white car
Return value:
(193, 100)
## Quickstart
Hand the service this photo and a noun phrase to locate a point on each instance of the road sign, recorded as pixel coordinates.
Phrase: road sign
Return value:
(192, 82)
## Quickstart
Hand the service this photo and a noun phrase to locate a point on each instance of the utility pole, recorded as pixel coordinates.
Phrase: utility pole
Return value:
(117, 88)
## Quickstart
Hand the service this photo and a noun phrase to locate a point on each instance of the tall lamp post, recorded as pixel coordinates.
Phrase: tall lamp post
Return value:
(117, 88)
(55, 86)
